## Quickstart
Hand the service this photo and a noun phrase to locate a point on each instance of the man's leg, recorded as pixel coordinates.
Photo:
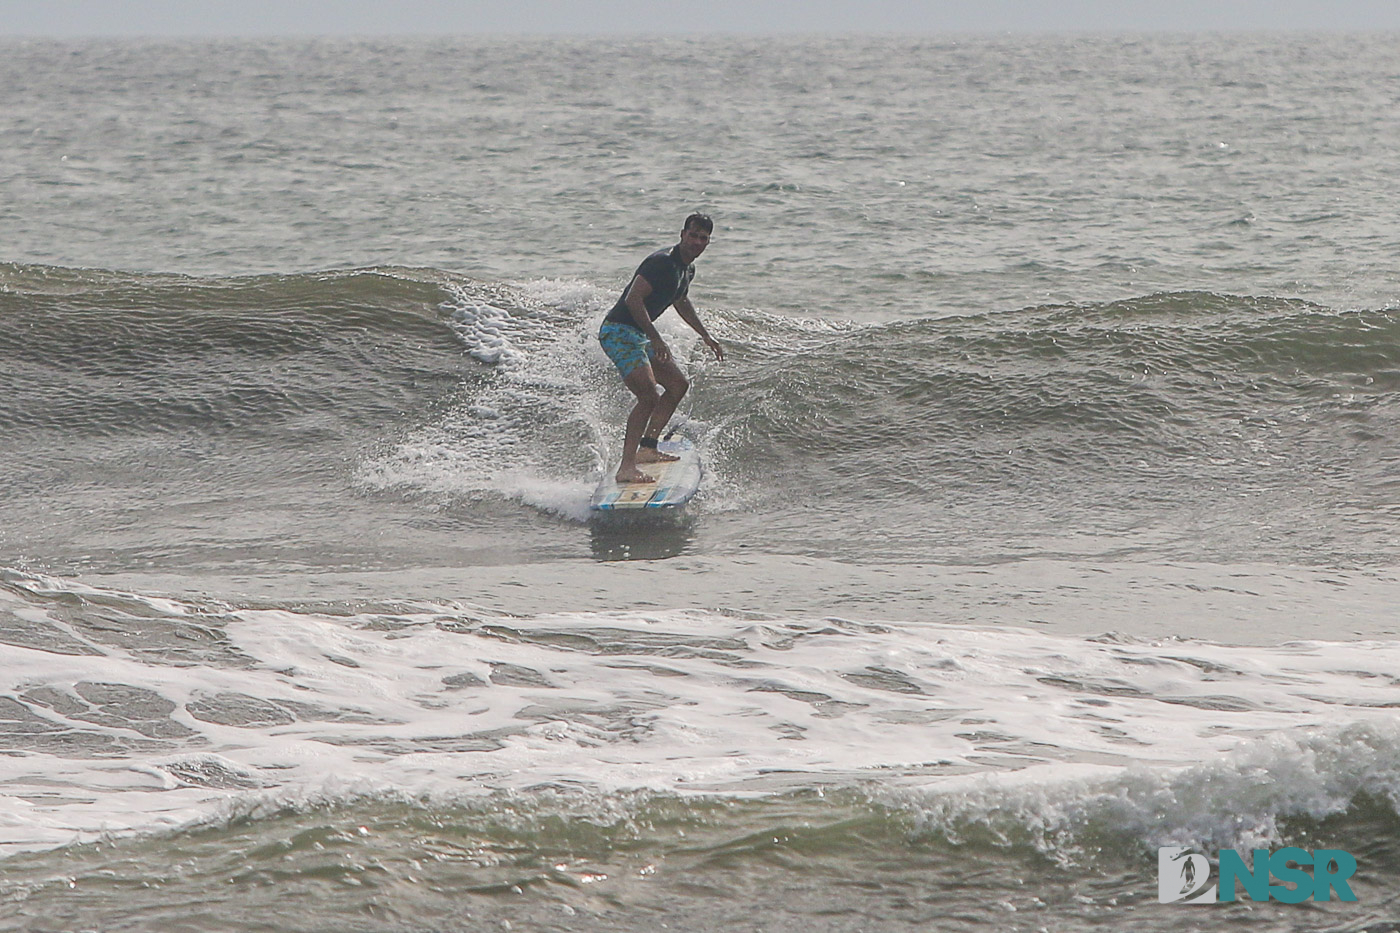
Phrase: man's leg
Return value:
(673, 381)
(643, 385)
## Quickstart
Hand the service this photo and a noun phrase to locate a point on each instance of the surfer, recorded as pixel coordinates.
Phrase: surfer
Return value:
(631, 341)
(1188, 876)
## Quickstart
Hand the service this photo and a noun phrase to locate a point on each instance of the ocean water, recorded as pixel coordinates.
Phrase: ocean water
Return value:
(1050, 513)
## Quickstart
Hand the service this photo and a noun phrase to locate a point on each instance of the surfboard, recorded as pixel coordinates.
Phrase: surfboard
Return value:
(672, 486)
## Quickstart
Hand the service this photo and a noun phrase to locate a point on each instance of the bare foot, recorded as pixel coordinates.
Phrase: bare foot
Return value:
(633, 475)
(650, 455)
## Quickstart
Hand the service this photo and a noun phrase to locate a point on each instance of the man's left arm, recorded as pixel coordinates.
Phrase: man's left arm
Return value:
(687, 312)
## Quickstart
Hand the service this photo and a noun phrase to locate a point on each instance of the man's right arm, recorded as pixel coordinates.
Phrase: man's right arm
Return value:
(636, 303)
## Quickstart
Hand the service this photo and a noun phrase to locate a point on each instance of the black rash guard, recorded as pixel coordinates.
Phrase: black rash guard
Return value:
(669, 279)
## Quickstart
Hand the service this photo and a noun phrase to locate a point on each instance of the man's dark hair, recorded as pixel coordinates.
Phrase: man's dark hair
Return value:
(702, 221)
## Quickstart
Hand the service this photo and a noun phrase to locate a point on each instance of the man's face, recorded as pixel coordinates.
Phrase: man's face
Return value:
(694, 239)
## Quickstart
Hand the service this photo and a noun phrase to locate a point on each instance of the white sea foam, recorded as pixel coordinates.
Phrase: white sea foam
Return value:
(1174, 740)
(504, 436)
(1233, 798)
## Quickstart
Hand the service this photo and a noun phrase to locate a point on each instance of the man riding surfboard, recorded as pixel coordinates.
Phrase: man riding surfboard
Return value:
(631, 341)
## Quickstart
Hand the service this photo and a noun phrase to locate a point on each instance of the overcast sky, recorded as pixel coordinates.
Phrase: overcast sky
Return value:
(68, 18)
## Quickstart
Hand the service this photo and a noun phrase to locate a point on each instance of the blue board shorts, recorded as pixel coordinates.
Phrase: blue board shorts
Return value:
(626, 346)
